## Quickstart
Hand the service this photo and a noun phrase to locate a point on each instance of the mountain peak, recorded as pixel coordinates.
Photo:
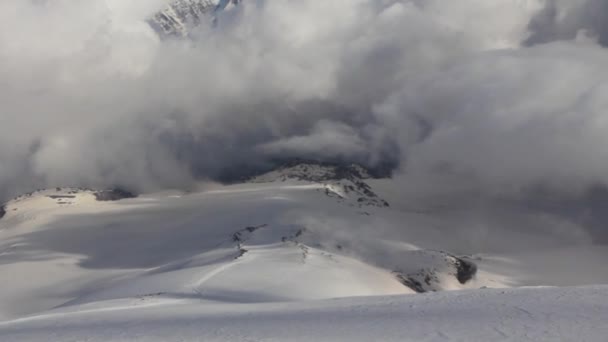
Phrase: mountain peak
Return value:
(180, 16)
(346, 182)
(313, 171)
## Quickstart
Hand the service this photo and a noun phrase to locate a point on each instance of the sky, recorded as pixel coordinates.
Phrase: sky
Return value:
(471, 100)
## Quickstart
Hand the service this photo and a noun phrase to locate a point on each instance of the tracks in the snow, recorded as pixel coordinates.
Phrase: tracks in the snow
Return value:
(239, 238)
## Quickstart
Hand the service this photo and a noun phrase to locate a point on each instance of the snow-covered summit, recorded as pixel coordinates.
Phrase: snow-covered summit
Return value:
(346, 182)
(57, 198)
(314, 171)
(180, 16)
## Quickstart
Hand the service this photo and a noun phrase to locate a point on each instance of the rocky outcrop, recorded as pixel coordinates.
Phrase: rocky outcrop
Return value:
(113, 195)
(428, 278)
(345, 182)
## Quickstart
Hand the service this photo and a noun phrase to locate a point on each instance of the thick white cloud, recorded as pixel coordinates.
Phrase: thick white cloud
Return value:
(487, 94)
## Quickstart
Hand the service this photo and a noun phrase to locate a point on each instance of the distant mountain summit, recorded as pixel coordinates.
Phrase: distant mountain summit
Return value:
(346, 182)
(314, 171)
(61, 197)
(180, 16)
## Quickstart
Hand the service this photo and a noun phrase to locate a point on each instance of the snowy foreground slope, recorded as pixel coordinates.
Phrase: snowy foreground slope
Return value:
(530, 314)
(306, 251)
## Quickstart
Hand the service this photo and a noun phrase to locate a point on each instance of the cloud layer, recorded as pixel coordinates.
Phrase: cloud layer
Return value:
(495, 97)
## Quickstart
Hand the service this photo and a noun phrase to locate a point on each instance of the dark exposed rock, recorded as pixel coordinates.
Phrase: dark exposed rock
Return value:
(466, 270)
(61, 196)
(113, 195)
(2, 211)
(428, 278)
(410, 282)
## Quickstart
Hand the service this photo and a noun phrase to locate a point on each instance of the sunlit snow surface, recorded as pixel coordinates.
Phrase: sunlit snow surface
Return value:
(530, 314)
(280, 259)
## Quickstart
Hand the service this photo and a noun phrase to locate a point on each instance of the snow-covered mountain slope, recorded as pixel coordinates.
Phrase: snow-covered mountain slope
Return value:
(529, 314)
(246, 242)
(180, 17)
(306, 231)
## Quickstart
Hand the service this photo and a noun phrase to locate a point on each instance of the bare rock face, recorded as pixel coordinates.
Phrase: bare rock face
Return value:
(113, 195)
(2, 211)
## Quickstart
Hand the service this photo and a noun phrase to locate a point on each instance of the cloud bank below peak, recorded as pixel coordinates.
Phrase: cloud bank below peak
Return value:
(512, 99)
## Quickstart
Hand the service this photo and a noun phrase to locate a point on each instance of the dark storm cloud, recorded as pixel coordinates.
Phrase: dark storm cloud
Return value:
(565, 20)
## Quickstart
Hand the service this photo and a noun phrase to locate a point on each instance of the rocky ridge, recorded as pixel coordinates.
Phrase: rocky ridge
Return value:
(345, 182)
